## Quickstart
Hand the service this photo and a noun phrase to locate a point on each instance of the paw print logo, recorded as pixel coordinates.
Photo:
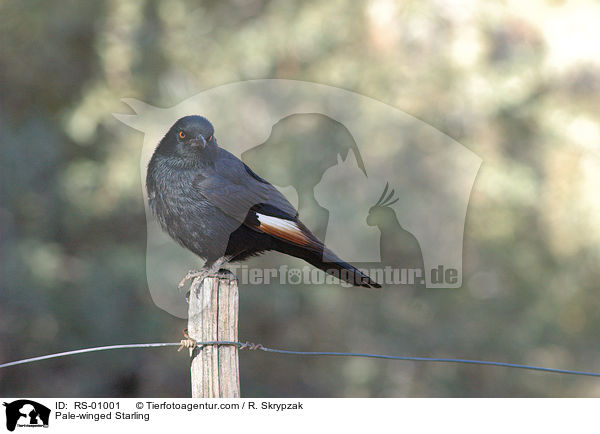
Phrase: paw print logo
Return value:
(294, 276)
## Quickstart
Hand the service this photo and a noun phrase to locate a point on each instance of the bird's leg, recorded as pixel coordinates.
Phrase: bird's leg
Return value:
(210, 268)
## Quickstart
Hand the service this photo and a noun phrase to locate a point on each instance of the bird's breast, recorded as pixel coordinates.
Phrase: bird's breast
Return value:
(187, 216)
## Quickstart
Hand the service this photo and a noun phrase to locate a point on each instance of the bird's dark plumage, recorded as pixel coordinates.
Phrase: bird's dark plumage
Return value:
(213, 204)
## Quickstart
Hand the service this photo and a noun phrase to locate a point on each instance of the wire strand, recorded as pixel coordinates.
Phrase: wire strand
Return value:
(259, 347)
(87, 350)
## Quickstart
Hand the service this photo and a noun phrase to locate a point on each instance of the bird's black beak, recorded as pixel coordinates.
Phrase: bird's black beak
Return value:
(198, 142)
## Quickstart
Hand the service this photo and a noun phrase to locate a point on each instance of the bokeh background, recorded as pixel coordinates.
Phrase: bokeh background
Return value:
(516, 82)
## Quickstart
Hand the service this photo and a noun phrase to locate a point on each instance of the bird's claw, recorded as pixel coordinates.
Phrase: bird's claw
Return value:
(192, 274)
(188, 342)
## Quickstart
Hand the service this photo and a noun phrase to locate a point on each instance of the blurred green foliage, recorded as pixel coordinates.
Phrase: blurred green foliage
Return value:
(516, 82)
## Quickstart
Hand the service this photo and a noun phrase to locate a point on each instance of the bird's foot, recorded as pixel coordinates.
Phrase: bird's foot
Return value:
(214, 269)
(188, 342)
(194, 274)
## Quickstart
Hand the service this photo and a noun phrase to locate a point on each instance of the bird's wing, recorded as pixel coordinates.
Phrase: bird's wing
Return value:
(269, 220)
(243, 195)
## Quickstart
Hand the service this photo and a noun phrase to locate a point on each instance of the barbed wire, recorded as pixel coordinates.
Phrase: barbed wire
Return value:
(259, 347)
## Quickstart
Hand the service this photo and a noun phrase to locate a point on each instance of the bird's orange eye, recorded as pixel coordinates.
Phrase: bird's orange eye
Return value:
(182, 134)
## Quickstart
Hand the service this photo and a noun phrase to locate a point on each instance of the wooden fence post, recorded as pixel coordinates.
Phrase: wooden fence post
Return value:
(213, 316)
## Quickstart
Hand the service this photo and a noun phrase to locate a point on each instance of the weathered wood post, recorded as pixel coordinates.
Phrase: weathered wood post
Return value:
(213, 316)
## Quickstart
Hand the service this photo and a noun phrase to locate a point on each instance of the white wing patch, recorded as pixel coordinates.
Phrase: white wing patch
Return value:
(277, 222)
(282, 228)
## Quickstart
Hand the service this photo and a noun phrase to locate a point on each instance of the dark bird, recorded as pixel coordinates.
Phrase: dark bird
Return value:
(213, 204)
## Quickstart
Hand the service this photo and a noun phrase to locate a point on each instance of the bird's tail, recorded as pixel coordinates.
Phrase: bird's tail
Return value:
(330, 263)
(306, 246)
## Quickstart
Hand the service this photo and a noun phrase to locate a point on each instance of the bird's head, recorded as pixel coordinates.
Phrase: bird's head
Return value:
(189, 137)
(381, 211)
